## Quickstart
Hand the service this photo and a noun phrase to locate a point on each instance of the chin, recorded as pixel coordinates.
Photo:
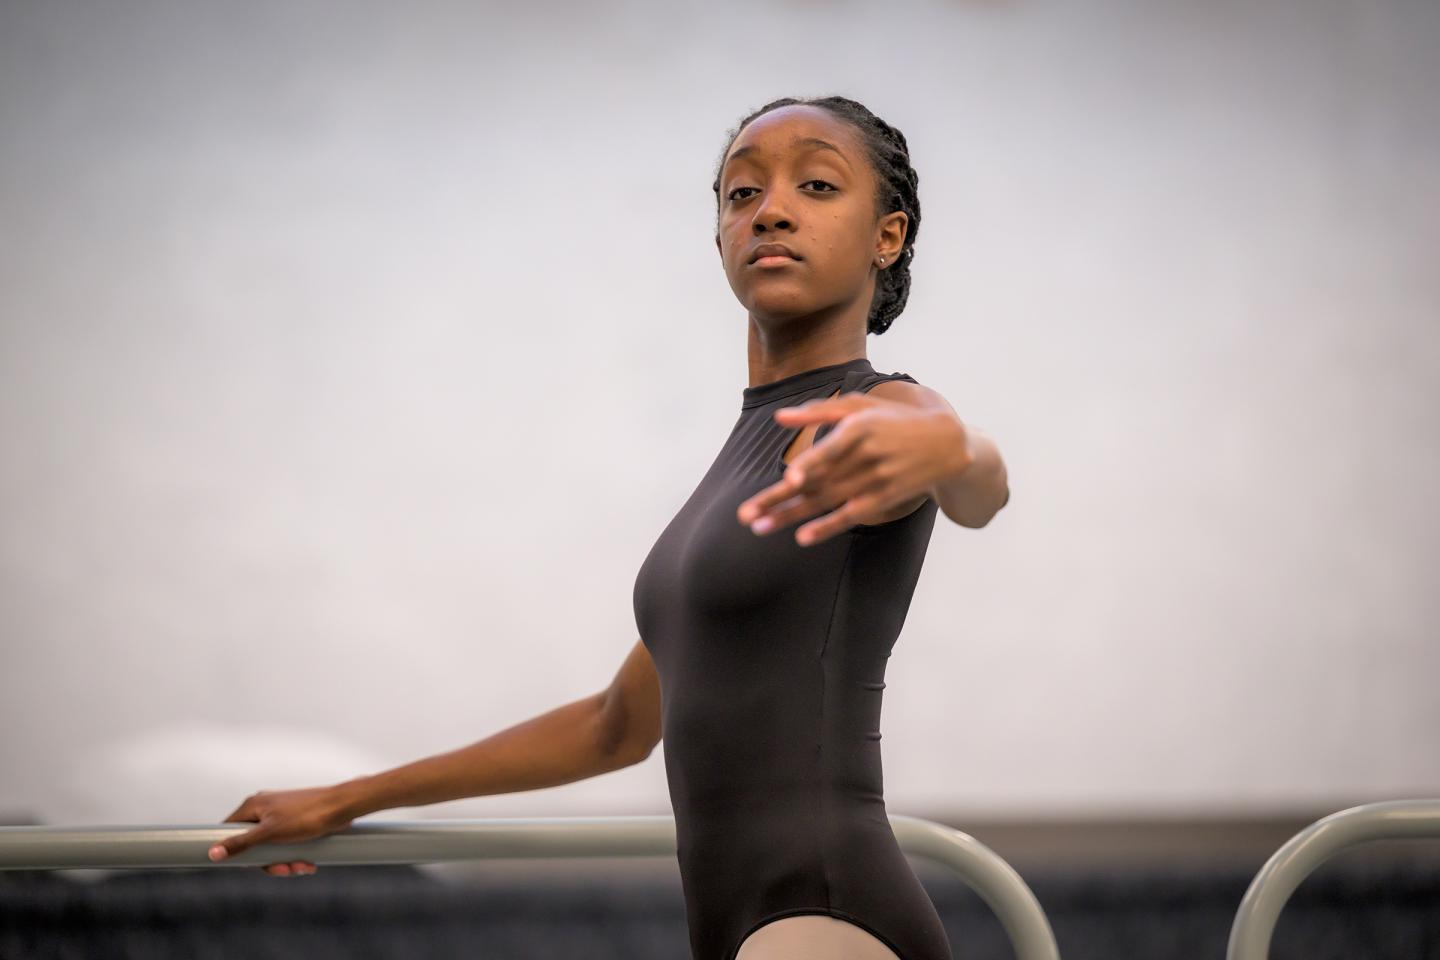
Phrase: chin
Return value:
(778, 317)
(780, 304)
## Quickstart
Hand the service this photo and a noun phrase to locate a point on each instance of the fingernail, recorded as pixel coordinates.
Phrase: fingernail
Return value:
(217, 853)
(763, 524)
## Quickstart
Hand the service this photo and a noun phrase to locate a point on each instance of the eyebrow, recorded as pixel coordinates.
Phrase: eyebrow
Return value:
(815, 142)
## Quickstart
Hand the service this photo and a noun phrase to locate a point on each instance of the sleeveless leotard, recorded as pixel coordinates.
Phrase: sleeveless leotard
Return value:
(771, 659)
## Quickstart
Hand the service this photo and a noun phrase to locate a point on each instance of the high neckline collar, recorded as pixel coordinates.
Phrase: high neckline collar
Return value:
(799, 382)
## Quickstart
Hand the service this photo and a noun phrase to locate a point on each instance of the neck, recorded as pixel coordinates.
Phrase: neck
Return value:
(779, 349)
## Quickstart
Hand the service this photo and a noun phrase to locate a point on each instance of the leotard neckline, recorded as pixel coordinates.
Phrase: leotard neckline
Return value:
(799, 382)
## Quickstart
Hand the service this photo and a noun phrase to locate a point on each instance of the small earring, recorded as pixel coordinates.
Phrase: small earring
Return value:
(882, 259)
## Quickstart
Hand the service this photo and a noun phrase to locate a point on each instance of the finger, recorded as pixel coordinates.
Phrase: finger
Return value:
(811, 469)
(785, 513)
(838, 521)
(831, 497)
(803, 416)
(822, 409)
(820, 495)
(846, 466)
(797, 508)
(839, 444)
(761, 502)
(237, 843)
(295, 868)
(800, 481)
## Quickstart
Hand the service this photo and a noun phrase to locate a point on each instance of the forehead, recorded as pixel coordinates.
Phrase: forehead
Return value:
(793, 129)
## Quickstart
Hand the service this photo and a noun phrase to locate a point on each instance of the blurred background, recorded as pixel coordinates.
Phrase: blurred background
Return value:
(352, 357)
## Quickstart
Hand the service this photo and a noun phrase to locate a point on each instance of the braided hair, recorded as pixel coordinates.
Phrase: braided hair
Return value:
(896, 183)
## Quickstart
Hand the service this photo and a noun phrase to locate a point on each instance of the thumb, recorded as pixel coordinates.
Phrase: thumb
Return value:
(238, 843)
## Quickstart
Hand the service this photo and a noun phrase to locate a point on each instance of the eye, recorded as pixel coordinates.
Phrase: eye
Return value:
(829, 188)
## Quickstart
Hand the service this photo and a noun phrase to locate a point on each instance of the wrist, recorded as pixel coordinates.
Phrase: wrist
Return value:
(354, 798)
(960, 453)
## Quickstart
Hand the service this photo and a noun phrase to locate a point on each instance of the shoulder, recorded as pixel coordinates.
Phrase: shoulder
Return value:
(908, 391)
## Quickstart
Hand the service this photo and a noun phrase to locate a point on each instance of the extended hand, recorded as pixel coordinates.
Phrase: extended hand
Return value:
(284, 816)
(880, 454)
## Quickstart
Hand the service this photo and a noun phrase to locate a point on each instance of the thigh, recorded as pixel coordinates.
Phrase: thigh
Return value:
(813, 937)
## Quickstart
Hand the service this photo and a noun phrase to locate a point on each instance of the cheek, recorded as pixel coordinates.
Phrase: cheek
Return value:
(841, 243)
(732, 237)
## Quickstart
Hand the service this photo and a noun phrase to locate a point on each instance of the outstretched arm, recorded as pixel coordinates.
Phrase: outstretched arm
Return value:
(890, 450)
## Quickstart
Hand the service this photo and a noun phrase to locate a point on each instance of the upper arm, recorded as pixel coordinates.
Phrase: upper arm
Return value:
(631, 706)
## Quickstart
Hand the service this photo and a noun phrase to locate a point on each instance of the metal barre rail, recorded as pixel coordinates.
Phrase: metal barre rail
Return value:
(1303, 853)
(425, 841)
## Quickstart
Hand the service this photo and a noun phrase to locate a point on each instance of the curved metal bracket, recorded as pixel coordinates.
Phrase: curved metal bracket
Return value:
(1307, 850)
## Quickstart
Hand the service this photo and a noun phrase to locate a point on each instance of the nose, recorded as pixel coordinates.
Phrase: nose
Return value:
(773, 213)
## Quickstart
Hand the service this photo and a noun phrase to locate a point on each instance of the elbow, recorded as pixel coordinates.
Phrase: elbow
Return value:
(616, 740)
(980, 521)
(628, 755)
(640, 745)
(1003, 500)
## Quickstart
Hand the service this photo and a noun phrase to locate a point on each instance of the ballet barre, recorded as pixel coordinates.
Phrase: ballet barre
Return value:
(429, 841)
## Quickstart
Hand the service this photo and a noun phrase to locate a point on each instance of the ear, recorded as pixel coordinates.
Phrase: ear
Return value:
(890, 236)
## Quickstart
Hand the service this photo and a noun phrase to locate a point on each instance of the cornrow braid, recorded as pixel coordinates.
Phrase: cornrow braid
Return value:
(897, 186)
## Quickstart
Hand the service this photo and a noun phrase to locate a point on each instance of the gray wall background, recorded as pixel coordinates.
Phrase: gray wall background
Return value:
(352, 357)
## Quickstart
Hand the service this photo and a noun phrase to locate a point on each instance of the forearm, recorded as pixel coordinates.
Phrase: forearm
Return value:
(561, 746)
(975, 493)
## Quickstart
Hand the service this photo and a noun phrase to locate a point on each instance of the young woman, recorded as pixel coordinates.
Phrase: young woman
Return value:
(762, 657)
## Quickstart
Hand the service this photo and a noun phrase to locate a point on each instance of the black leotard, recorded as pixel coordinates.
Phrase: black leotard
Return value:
(771, 658)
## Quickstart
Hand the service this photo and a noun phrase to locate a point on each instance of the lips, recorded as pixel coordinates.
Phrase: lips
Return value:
(773, 250)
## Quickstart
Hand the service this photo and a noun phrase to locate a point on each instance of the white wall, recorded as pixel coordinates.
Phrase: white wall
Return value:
(337, 406)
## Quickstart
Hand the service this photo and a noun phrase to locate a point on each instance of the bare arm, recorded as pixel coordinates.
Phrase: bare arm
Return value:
(606, 731)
